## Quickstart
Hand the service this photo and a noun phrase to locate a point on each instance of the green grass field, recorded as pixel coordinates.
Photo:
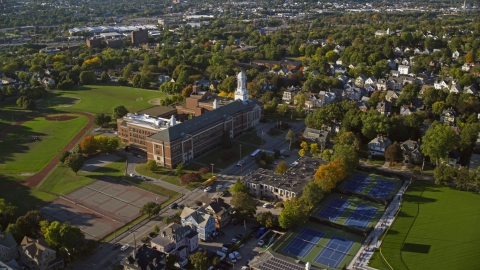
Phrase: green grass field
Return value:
(283, 242)
(437, 228)
(21, 156)
(167, 175)
(371, 184)
(100, 98)
(354, 202)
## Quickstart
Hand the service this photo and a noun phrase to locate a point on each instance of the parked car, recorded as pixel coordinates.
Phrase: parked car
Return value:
(172, 216)
(234, 221)
(266, 205)
(124, 247)
(173, 206)
(151, 234)
(240, 163)
(115, 246)
(219, 186)
(239, 236)
(234, 240)
(181, 206)
(132, 175)
(207, 189)
(226, 247)
(260, 232)
(237, 255)
(261, 242)
(232, 258)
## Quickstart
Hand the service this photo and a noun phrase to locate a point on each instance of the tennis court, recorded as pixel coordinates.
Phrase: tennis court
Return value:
(334, 252)
(358, 183)
(361, 216)
(301, 245)
(382, 189)
(334, 209)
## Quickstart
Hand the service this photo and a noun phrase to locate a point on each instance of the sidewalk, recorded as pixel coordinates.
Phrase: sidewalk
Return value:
(360, 261)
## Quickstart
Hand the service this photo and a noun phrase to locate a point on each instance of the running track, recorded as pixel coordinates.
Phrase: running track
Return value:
(34, 180)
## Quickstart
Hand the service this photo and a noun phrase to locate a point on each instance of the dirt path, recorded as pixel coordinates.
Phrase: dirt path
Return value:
(34, 180)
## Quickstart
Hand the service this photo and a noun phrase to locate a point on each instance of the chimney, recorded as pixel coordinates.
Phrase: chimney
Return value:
(307, 266)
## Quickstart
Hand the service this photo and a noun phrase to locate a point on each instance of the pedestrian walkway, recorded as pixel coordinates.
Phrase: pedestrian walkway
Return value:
(360, 261)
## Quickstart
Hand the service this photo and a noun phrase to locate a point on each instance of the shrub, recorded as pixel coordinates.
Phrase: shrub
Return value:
(190, 177)
(279, 204)
(204, 170)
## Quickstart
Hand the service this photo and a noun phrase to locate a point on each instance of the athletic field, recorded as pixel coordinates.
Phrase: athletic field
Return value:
(437, 228)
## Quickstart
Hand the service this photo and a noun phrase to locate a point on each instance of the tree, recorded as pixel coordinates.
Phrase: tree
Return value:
(226, 141)
(179, 169)
(15, 231)
(63, 156)
(393, 153)
(304, 145)
(104, 77)
(87, 77)
(348, 155)
(282, 167)
(187, 91)
(294, 213)
(156, 229)
(199, 260)
(119, 112)
(329, 175)
(150, 209)
(136, 80)
(326, 155)
(7, 212)
(349, 138)
(314, 150)
(122, 81)
(438, 107)
(75, 162)
(112, 144)
(432, 95)
(63, 235)
(29, 224)
(283, 109)
(438, 141)
(289, 137)
(88, 145)
(102, 119)
(190, 177)
(166, 220)
(266, 219)
(409, 93)
(244, 205)
(443, 174)
(469, 135)
(228, 85)
(24, 102)
(151, 165)
(239, 187)
(301, 152)
(312, 194)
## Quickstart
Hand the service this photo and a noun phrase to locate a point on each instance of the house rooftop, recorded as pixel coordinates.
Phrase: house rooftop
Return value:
(7, 240)
(145, 258)
(157, 111)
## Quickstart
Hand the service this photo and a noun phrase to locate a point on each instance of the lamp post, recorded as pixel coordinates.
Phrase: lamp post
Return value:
(241, 169)
(212, 168)
(68, 256)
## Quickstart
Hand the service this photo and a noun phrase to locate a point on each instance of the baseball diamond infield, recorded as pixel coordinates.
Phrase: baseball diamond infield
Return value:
(99, 208)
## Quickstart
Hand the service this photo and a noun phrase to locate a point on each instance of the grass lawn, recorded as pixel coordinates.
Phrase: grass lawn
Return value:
(354, 202)
(222, 158)
(372, 183)
(168, 175)
(62, 180)
(437, 228)
(100, 98)
(329, 233)
(20, 155)
(25, 198)
(251, 138)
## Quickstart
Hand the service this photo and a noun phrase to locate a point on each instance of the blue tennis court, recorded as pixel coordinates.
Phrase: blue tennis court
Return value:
(303, 243)
(382, 189)
(357, 183)
(333, 253)
(361, 216)
(334, 209)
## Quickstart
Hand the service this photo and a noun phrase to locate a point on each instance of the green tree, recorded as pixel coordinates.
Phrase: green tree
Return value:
(348, 154)
(312, 194)
(409, 93)
(199, 260)
(228, 85)
(239, 187)
(112, 144)
(122, 81)
(7, 212)
(119, 112)
(136, 80)
(295, 212)
(63, 236)
(102, 119)
(104, 77)
(393, 153)
(438, 107)
(179, 169)
(443, 174)
(15, 231)
(469, 135)
(75, 162)
(438, 141)
(87, 77)
(326, 155)
(156, 229)
(166, 220)
(432, 95)
(150, 209)
(282, 167)
(244, 205)
(314, 150)
(289, 137)
(151, 165)
(63, 156)
(266, 219)
(29, 224)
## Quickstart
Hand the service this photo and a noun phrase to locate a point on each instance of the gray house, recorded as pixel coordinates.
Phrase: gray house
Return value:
(8, 247)
(321, 137)
(199, 220)
(378, 145)
(411, 152)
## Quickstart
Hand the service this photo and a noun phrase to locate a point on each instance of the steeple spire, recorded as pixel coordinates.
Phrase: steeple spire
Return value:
(241, 92)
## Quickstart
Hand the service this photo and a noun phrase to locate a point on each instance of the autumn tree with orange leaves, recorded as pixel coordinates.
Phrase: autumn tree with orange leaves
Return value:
(88, 145)
(329, 175)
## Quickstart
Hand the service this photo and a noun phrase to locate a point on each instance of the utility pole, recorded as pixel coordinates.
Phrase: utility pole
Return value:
(212, 168)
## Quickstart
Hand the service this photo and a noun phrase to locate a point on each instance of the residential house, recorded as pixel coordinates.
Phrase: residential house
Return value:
(145, 258)
(440, 84)
(467, 66)
(411, 152)
(220, 211)
(394, 73)
(362, 104)
(381, 33)
(326, 97)
(204, 84)
(384, 107)
(284, 72)
(339, 61)
(395, 83)
(378, 145)
(177, 239)
(371, 80)
(321, 137)
(352, 93)
(392, 97)
(392, 64)
(163, 79)
(456, 54)
(402, 69)
(381, 84)
(37, 255)
(289, 95)
(369, 89)
(274, 261)
(202, 222)
(455, 88)
(8, 247)
(336, 69)
(342, 78)
(313, 101)
(448, 117)
(360, 80)
(470, 90)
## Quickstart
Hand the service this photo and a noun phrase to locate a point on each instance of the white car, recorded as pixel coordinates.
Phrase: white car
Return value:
(266, 205)
(219, 186)
(240, 163)
(234, 240)
(261, 242)
(224, 249)
(232, 258)
(237, 255)
(207, 189)
(124, 247)
(132, 175)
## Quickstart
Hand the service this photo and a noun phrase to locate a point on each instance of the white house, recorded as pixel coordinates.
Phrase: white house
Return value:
(403, 69)
(378, 145)
(440, 84)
